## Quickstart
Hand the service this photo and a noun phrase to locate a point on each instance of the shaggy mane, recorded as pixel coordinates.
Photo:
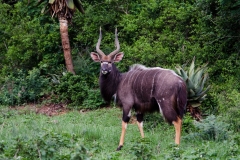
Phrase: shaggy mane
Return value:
(140, 67)
(137, 67)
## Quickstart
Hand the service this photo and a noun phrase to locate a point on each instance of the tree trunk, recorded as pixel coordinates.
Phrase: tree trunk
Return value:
(65, 44)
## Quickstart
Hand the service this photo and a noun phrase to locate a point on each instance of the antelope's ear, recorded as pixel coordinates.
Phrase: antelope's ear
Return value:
(118, 57)
(95, 57)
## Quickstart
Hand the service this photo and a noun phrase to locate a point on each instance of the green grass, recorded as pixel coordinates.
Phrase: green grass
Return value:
(95, 135)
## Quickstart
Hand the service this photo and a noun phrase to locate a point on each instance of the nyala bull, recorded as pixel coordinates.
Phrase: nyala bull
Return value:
(142, 89)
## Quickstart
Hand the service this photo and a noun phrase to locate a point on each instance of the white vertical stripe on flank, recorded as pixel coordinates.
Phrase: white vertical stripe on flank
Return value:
(153, 83)
(162, 80)
(142, 82)
(135, 78)
(130, 80)
(129, 114)
(160, 109)
(126, 76)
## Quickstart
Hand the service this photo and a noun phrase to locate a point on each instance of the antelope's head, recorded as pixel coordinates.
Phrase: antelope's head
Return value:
(107, 60)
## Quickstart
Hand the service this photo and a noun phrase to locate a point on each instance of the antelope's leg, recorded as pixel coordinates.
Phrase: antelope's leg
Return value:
(178, 125)
(140, 123)
(125, 120)
(124, 127)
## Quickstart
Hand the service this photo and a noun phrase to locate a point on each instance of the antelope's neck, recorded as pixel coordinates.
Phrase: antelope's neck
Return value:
(109, 83)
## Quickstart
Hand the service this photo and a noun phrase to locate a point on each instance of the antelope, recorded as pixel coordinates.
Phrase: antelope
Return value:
(142, 89)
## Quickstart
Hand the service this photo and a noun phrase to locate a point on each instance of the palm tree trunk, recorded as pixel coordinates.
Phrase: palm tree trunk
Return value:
(65, 44)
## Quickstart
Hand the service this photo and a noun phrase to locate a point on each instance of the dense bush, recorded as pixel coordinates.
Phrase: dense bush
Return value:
(206, 150)
(154, 33)
(77, 92)
(211, 128)
(72, 89)
(44, 146)
(153, 120)
(140, 149)
(28, 39)
(151, 32)
(21, 87)
(231, 113)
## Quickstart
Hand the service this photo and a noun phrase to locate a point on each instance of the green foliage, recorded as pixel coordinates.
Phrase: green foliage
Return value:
(21, 87)
(44, 146)
(211, 104)
(95, 135)
(25, 39)
(76, 91)
(94, 99)
(141, 149)
(175, 152)
(153, 120)
(229, 104)
(91, 134)
(81, 153)
(195, 80)
(211, 128)
(71, 5)
(154, 33)
(217, 30)
(188, 123)
(72, 89)
(206, 150)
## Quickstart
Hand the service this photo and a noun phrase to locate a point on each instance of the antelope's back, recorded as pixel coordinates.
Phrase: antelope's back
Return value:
(144, 83)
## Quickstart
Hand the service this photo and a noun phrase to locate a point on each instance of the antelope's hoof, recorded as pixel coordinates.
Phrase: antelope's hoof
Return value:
(119, 148)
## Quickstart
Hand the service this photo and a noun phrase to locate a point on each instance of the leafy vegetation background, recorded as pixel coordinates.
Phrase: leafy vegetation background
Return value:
(151, 32)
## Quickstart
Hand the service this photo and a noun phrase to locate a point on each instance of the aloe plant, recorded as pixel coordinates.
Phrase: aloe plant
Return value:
(195, 80)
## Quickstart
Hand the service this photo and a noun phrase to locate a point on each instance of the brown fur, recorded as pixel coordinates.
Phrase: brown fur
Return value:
(152, 89)
(109, 83)
(141, 88)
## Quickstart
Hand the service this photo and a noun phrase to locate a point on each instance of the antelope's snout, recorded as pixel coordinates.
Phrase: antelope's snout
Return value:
(106, 67)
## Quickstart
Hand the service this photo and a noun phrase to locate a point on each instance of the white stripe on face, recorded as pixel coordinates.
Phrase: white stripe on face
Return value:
(106, 67)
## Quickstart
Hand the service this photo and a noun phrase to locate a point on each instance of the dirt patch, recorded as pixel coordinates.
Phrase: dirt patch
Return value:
(46, 109)
(56, 109)
(52, 109)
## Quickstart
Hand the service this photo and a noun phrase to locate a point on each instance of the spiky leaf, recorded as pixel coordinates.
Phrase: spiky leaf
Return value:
(178, 68)
(183, 74)
(204, 92)
(191, 69)
(79, 6)
(43, 10)
(195, 81)
(197, 76)
(51, 1)
(40, 1)
(202, 98)
(195, 104)
(191, 93)
(70, 4)
(190, 84)
(200, 88)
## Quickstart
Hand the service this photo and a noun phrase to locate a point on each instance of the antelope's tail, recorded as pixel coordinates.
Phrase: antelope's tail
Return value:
(182, 99)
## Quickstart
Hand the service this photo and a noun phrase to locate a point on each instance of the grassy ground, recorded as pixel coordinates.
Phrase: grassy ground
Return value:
(95, 135)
